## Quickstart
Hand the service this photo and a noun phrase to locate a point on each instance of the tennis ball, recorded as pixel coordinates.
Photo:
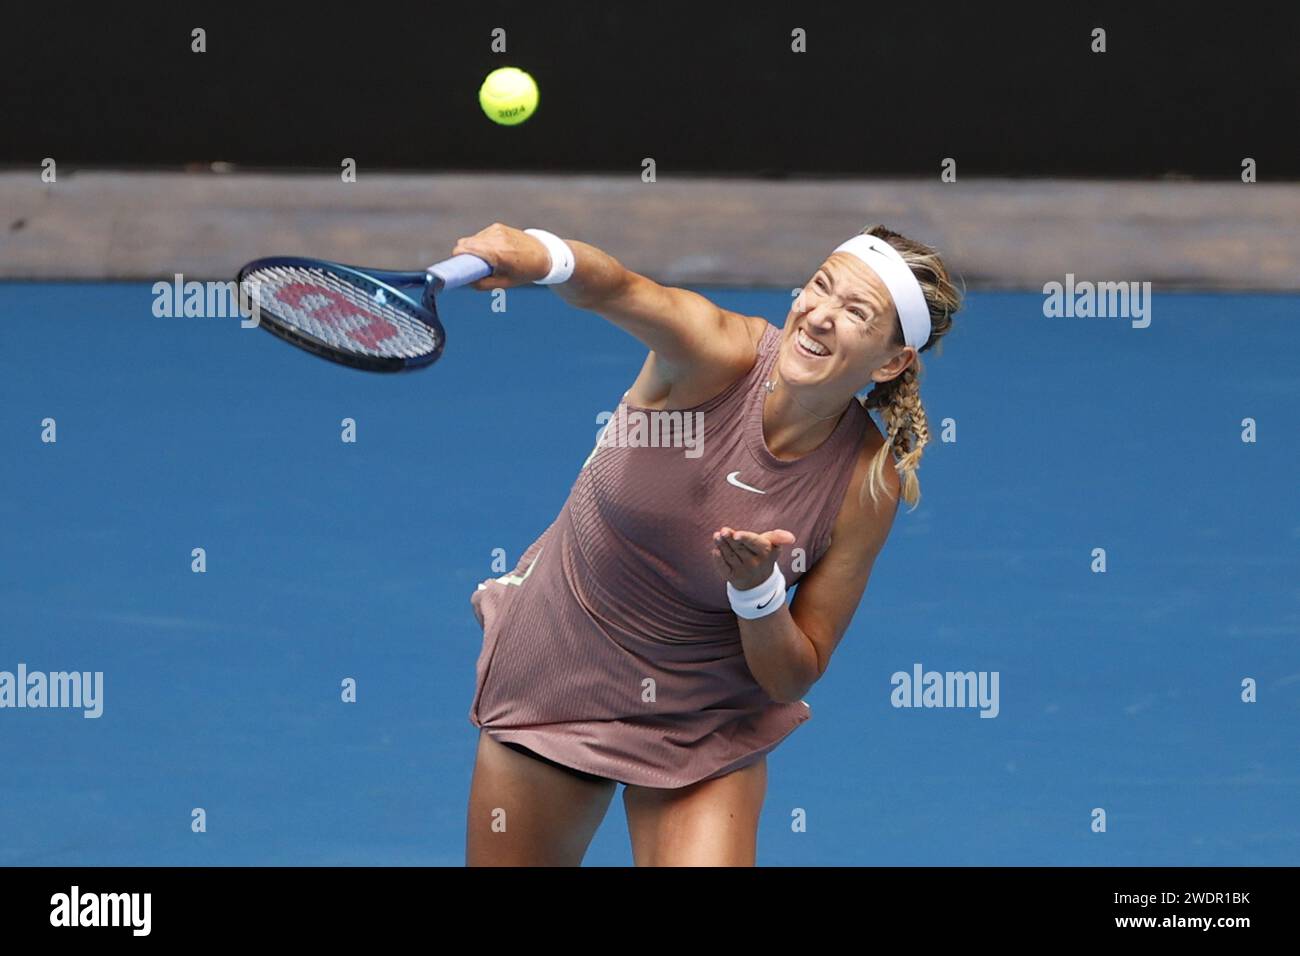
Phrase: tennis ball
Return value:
(508, 96)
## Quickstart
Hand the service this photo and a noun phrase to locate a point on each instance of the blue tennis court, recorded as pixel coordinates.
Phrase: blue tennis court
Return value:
(329, 560)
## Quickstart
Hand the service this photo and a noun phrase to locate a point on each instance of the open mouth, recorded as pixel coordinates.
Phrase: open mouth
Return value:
(808, 346)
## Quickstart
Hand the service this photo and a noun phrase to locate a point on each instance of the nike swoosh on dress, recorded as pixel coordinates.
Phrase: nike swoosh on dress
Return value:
(734, 479)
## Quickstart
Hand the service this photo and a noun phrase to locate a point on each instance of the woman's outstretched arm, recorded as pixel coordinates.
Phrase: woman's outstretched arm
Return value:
(686, 331)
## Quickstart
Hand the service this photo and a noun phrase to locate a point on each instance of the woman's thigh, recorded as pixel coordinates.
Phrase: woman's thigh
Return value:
(710, 823)
(523, 812)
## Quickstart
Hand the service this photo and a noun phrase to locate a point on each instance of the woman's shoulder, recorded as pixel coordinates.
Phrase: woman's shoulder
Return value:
(760, 330)
(731, 356)
(860, 518)
(754, 343)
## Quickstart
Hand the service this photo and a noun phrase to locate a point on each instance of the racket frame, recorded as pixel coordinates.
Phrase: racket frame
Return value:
(404, 286)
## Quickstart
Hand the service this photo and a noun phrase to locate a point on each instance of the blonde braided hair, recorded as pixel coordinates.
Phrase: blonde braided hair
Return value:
(898, 401)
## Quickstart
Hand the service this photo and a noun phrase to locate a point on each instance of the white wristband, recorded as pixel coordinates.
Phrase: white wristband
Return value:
(759, 601)
(562, 259)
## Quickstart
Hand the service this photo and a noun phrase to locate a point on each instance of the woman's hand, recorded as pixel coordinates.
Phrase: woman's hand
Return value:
(745, 558)
(516, 257)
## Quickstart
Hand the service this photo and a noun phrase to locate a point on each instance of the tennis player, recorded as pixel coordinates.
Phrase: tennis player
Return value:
(645, 638)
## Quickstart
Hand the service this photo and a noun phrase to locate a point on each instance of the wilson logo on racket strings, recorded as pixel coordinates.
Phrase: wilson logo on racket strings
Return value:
(331, 308)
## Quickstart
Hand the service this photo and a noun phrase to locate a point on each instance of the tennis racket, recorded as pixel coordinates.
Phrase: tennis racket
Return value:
(372, 319)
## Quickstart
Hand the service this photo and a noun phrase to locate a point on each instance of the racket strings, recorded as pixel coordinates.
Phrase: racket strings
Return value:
(345, 315)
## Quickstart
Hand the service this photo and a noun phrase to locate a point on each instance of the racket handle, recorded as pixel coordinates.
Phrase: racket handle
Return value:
(459, 270)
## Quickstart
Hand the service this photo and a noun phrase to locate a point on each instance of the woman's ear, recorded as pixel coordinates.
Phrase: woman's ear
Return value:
(896, 366)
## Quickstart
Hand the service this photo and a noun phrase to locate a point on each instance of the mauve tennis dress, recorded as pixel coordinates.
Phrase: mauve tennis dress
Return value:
(611, 647)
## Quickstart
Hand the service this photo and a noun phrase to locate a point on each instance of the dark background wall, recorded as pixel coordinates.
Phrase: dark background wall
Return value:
(884, 89)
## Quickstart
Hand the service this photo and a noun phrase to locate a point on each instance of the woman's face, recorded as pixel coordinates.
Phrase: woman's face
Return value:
(847, 313)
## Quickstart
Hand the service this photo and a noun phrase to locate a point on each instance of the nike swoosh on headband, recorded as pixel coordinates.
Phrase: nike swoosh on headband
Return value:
(734, 479)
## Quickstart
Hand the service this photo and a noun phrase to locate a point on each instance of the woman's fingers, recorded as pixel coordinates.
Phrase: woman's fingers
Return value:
(729, 553)
(745, 557)
(745, 543)
(516, 258)
(753, 543)
(763, 544)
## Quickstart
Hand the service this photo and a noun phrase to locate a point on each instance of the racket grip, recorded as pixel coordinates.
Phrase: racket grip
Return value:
(459, 270)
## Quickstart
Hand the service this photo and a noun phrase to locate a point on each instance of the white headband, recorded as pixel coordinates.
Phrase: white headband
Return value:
(909, 300)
